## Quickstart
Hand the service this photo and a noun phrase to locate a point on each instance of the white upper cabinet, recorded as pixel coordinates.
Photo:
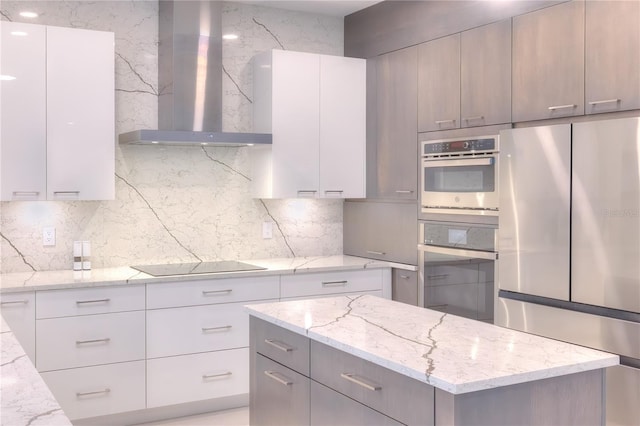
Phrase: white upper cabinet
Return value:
(23, 114)
(315, 106)
(58, 133)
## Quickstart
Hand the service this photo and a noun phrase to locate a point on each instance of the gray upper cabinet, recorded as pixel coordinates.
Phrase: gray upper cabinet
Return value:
(612, 69)
(485, 75)
(439, 84)
(396, 146)
(548, 63)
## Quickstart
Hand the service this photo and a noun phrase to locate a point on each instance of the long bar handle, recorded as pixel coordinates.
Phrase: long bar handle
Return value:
(81, 394)
(438, 277)
(272, 374)
(379, 253)
(15, 302)
(555, 107)
(405, 277)
(86, 342)
(488, 255)
(214, 376)
(306, 192)
(25, 194)
(84, 302)
(215, 292)
(477, 117)
(404, 191)
(333, 191)
(606, 101)
(432, 163)
(222, 328)
(279, 345)
(438, 122)
(334, 283)
(360, 382)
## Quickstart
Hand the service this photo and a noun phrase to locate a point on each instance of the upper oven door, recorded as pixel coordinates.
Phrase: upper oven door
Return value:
(460, 182)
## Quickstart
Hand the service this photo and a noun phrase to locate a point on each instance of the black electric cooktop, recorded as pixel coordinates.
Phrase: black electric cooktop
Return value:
(196, 268)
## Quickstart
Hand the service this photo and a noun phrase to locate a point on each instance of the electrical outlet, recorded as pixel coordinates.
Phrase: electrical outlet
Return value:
(49, 236)
(267, 230)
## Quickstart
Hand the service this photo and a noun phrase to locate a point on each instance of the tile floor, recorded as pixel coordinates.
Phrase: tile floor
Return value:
(233, 417)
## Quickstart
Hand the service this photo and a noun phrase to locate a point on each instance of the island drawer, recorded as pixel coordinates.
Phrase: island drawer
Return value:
(301, 285)
(375, 386)
(196, 377)
(281, 345)
(89, 340)
(100, 390)
(212, 291)
(89, 301)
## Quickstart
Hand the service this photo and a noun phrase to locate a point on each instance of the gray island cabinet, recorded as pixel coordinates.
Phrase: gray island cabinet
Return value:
(363, 360)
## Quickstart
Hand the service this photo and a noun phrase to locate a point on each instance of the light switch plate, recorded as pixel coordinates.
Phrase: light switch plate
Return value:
(267, 230)
(48, 236)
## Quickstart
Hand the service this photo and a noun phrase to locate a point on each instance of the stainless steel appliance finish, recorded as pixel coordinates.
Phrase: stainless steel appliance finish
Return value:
(169, 269)
(457, 268)
(190, 79)
(605, 214)
(460, 176)
(535, 187)
(587, 290)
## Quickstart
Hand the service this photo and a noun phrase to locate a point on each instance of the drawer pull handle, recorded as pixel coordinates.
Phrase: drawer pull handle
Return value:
(477, 117)
(405, 277)
(216, 376)
(29, 195)
(15, 302)
(272, 374)
(437, 277)
(379, 253)
(403, 191)
(215, 292)
(84, 302)
(279, 345)
(88, 342)
(556, 107)
(222, 328)
(438, 122)
(333, 191)
(360, 382)
(606, 101)
(100, 392)
(334, 283)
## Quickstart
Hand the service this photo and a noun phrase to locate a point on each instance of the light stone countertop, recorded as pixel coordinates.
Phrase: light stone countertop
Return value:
(48, 280)
(452, 353)
(26, 399)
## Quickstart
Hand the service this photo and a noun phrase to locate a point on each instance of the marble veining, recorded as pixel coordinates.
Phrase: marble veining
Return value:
(175, 204)
(26, 399)
(452, 353)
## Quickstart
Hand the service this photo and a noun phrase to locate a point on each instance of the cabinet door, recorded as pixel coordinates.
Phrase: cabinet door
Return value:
(548, 62)
(439, 84)
(23, 161)
(295, 124)
(397, 121)
(405, 286)
(279, 396)
(80, 114)
(343, 94)
(612, 68)
(485, 75)
(19, 311)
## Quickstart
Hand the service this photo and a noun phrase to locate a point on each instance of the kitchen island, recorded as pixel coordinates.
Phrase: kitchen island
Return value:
(367, 360)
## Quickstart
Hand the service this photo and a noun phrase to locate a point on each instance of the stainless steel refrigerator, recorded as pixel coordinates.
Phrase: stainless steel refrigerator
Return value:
(569, 243)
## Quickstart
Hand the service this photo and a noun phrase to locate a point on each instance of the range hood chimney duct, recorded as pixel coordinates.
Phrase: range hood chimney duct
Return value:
(190, 79)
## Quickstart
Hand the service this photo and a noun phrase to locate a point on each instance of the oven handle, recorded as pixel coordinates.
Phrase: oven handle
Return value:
(488, 255)
(486, 161)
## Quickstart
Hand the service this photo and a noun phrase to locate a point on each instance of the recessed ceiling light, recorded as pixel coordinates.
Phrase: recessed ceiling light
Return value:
(27, 14)
(18, 33)
(230, 36)
(6, 77)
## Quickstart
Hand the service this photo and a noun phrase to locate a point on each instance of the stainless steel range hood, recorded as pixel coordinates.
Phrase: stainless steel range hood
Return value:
(190, 80)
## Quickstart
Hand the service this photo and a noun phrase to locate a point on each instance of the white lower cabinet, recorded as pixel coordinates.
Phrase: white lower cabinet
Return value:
(19, 311)
(331, 283)
(187, 378)
(99, 390)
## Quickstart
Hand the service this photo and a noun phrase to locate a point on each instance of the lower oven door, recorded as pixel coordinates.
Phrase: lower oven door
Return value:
(457, 280)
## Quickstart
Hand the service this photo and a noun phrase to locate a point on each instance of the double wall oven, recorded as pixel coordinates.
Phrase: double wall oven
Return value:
(457, 227)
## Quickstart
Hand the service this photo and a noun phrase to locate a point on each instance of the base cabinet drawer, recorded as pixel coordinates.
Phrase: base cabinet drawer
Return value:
(329, 407)
(273, 388)
(89, 340)
(100, 390)
(188, 378)
(283, 346)
(379, 388)
(299, 285)
(89, 301)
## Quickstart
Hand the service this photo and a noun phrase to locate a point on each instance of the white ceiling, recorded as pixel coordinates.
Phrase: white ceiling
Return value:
(324, 7)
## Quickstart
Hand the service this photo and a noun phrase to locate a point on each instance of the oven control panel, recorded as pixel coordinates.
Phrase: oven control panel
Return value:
(459, 146)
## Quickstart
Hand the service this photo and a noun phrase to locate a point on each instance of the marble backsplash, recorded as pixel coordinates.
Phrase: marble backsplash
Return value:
(175, 204)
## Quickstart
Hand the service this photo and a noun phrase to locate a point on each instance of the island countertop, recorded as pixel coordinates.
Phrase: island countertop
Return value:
(452, 353)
